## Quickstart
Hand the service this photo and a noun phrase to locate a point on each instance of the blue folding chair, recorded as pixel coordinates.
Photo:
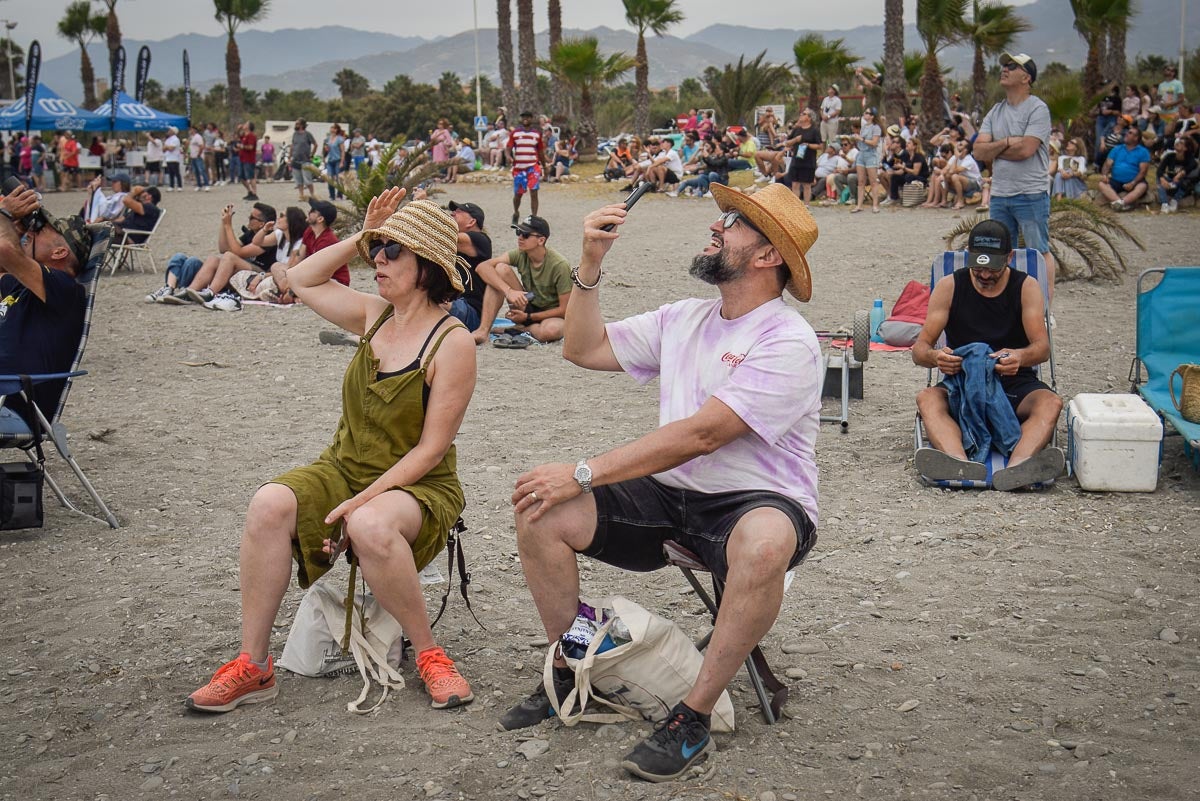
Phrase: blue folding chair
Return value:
(1028, 261)
(27, 437)
(1168, 322)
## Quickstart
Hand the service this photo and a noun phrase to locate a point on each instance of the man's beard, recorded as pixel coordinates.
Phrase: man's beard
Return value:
(715, 268)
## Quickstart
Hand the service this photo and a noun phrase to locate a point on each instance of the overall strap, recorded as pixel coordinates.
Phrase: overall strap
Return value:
(438, 343)
(383, 318)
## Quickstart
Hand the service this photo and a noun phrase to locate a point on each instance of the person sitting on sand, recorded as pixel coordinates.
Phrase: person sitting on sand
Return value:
(534, 280)
(731, 474)
(285, 237)
(388, 484)
(989, 302)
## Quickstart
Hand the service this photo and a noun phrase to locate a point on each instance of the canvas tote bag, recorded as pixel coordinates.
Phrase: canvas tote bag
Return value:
(641, 679)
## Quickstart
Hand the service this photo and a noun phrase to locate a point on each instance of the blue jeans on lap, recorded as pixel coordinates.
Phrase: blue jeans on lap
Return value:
(1027, 215)
(465, 313)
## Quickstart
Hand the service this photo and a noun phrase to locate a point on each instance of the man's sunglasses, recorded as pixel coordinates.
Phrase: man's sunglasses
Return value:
(389, 249)
(975, 268)
(728, 219)
(526, 234)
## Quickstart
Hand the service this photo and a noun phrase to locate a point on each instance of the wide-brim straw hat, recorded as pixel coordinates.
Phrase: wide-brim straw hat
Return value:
(426, 229)
(784, 220)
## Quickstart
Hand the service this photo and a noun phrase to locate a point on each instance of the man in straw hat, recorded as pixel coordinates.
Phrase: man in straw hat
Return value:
(731, 472)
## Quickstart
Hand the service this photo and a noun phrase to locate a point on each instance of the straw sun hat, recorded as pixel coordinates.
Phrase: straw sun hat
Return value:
(784, 220)
(426, 229)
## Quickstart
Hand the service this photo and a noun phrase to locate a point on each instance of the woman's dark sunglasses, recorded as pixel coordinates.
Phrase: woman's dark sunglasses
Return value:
(389, 249)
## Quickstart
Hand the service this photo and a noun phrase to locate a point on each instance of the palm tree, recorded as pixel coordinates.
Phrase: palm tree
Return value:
(578, 64)
(558, 94)
(939, 23)
(992, 29)
(914, 66)
(505, 53)
(820, 62)
(1093, 20)
(351, 84)
(737, 89)
(1114, 66)
(655, 16)
(80, 25)
(895, 91)
(112, 30)
(233, 14)
(527, 50)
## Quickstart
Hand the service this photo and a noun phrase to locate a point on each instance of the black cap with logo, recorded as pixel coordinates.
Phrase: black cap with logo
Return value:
(533, 225)
(471, 209)
(989, 245)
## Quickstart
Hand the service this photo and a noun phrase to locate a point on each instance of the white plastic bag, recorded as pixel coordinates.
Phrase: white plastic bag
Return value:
(641, 679)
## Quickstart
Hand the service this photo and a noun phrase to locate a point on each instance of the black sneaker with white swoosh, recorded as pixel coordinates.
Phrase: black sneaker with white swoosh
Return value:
(680, 742)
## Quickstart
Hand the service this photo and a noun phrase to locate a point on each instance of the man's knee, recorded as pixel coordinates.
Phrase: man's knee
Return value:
(932, 400)
(762, 542)
(1045, 405)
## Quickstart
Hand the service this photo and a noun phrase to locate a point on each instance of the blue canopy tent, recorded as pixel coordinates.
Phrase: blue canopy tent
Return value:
(135, 116)
(50, 113)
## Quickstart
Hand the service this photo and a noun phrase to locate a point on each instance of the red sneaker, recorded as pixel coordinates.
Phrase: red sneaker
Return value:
(445, 684)
(235, 683)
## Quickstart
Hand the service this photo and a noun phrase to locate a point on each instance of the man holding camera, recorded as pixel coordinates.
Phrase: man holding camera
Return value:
(41, 303)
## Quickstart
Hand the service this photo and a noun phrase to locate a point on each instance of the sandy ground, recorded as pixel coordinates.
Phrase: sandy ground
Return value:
(1025, 627)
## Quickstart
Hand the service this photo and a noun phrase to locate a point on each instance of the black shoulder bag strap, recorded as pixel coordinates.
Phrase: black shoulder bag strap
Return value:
(454, 550)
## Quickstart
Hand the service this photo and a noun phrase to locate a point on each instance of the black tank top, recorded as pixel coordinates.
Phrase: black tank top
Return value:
(996, 321)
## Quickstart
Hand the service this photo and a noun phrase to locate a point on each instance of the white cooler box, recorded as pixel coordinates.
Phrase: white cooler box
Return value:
(1114, 443)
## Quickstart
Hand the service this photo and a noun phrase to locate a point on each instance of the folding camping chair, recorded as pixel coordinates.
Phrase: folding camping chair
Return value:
(1032, 263)
(126, 251)
(772, 693)
(53, 429)
(1167, 336)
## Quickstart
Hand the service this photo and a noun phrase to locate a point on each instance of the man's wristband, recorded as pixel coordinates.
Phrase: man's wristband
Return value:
(528, 318)
(9, 215)
(579, 283)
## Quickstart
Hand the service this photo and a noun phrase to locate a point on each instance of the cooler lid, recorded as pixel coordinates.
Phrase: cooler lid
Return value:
(1115, 417)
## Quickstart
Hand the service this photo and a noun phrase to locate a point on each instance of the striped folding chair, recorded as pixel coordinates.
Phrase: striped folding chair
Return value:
(1026, 260)
(52, 429)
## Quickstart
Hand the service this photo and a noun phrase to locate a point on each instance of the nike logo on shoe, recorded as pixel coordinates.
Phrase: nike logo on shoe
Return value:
(262, 682)
(689, 751)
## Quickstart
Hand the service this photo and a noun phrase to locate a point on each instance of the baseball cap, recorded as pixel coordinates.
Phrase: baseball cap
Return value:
(75, 232)
(471, 209)
(1023, 61)
(533, 225)
(327, 210)
(989, 245)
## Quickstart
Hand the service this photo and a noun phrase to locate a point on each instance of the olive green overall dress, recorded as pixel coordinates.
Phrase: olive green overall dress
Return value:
(381, 421)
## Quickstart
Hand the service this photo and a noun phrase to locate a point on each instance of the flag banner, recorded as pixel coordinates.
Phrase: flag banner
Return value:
(143, 71)
(118, 80)
(187, 88)
(33, 66)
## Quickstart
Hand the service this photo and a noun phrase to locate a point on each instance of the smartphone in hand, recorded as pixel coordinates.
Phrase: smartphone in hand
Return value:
(633, 198)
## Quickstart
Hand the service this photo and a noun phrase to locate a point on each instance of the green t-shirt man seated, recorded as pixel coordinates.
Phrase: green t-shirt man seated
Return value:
(533, 280)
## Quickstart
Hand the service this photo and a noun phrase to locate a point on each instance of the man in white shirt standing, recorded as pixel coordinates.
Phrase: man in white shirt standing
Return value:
(831, 114)
(731, 472)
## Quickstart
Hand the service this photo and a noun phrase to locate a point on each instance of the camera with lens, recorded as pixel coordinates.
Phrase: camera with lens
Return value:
(35, 220)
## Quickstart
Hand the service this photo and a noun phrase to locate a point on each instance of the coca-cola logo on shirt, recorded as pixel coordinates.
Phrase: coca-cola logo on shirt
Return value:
(733, 359)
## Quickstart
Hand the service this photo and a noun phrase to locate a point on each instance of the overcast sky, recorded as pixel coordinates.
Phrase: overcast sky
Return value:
(160, 19)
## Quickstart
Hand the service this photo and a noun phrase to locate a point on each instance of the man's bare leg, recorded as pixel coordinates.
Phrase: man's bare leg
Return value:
(1038, 413)
(206, 272)
(548, 550)
(759, 549)
(947, 459)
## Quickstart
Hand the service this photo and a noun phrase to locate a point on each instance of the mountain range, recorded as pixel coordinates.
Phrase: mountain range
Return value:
(294, 58)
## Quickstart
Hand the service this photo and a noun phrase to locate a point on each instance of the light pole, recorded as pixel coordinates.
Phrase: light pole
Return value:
(12, 81)
(478, 96)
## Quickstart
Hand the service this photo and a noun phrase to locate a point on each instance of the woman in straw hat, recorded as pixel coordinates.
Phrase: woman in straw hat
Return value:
(387, 487)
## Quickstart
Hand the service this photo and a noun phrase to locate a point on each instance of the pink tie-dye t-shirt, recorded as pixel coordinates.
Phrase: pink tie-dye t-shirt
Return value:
(765, 366)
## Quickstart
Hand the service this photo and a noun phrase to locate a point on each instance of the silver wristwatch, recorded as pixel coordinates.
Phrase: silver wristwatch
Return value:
(583, 474)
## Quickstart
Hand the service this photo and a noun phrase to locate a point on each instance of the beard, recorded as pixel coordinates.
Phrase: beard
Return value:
(716, 269)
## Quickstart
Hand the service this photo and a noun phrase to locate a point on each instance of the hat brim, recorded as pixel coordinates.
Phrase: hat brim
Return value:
(776, 230)
(986, 260)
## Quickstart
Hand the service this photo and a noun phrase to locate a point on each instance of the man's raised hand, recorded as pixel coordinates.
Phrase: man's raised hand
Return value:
(597, 241)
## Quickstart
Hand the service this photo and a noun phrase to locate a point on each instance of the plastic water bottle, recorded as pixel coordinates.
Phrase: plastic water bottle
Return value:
(877, 317)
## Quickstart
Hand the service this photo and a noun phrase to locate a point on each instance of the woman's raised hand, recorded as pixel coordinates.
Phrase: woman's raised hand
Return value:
(382, 206)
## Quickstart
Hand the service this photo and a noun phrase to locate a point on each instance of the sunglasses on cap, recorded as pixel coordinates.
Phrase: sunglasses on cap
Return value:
(389, 249)
(729, 218)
